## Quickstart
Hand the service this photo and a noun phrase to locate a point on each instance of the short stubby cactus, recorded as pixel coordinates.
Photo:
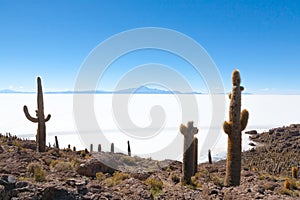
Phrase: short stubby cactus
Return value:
(294, 172)
(40, 118)
(237, 123)
(189, 152)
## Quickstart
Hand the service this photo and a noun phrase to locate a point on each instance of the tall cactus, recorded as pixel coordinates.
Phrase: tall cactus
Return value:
(40, 118)
(112, 148)
(188, 155)
(195, 156)
(209, 157)
(128, 148)
(237, 123)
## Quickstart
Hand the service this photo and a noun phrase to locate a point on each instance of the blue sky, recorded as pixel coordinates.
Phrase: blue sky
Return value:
(52, 38)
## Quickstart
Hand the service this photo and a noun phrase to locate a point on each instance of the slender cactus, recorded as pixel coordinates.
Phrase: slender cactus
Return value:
(91, 148)
(112, 148)
(40, 118)
(56, 142)
(237, 123)
(195, 156)
(188, 155)
(209, 157)
(128, 148)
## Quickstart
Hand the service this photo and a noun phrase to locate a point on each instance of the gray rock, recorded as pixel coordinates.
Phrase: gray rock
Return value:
(21, 184)
(294, 133)
(56, 193)
(92, 166)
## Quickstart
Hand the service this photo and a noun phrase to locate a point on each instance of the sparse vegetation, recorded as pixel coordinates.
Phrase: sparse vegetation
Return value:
(116, 179)
(100, 176)
(39, 175)
(32, 166)
(60, 166)
(75, 162)
(155, 185)
(129, 160)
(35, 170)
(290, 188)
(217, 180)
(54, 152)
(195, 183)
(174, 177)
(290, 184)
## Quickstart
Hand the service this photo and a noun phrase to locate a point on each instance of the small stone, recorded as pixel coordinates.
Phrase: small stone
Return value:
(252, 144)
(21, 184)
(214, 191)
(11, 179)
(253, 132)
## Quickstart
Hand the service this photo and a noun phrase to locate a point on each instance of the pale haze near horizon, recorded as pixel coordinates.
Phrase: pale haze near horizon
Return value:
(266, 111)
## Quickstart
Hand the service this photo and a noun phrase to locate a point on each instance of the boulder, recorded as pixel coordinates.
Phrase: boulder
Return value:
(294, 133)
(1, 149)
(54, 193)
(21, 184)
(92, 166)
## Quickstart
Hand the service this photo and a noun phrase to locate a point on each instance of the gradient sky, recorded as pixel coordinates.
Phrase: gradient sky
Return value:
(52, 38)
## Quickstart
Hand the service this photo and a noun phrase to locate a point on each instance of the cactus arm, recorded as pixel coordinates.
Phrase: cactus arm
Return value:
(35, 120)
(48, 118)
(183, 129)
(195, 130)
(244, 119)
(227, 127)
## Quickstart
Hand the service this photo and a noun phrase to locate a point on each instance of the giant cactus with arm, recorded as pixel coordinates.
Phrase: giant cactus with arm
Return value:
(40, 118)
(237, 123)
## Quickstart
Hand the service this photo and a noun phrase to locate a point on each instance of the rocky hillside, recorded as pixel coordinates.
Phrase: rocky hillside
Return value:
(67, 174)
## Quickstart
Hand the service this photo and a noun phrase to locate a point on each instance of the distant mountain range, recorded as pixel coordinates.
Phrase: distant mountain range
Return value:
(140, 90)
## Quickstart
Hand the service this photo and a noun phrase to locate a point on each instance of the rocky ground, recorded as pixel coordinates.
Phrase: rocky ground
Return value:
(67, 174)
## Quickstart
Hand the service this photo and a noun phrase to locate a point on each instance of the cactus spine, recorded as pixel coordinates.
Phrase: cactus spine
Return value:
(188, 155)
(237, 123)
(40, 118)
